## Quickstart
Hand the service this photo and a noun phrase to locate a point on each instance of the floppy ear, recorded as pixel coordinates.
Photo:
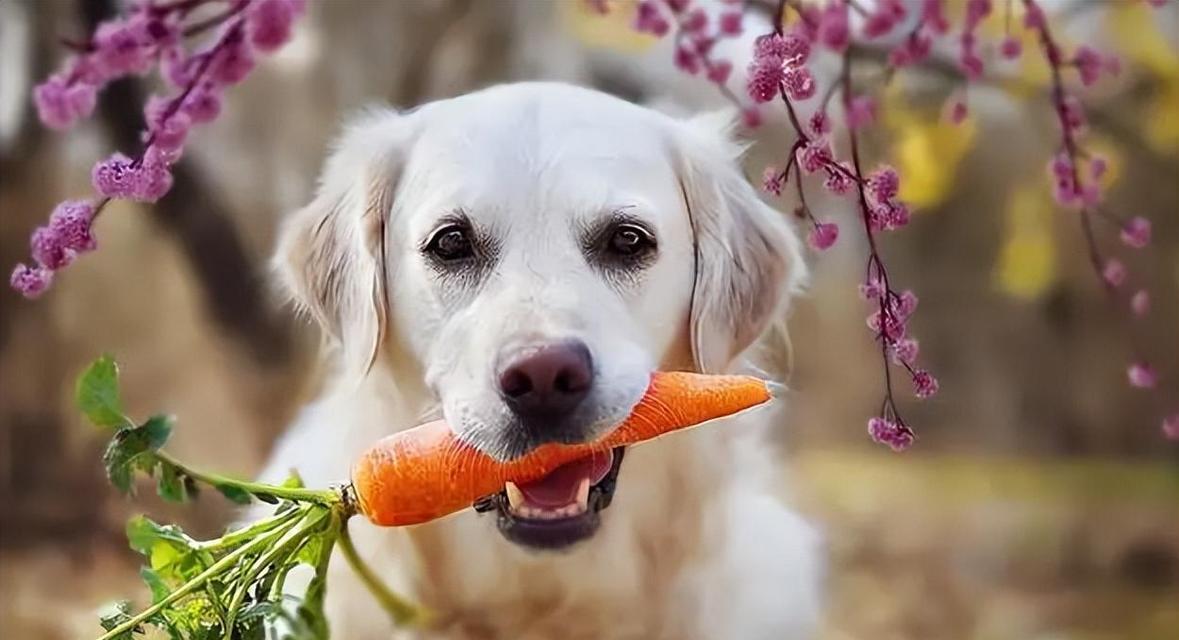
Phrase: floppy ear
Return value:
(331, 254)
(748, 260)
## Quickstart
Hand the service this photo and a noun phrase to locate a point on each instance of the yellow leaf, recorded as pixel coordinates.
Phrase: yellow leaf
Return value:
(612, 30)
(1132, 26)
(1162, 119)
(927, 151)
(1026, 266)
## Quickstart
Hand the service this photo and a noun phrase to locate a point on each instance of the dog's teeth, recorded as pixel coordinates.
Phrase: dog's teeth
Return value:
(515, 496)
(582, 501)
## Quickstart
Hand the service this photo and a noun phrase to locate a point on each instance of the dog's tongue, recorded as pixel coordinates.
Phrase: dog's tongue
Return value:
(559, 488)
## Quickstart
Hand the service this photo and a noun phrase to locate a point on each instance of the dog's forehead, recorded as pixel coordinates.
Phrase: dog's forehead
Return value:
(542, 147)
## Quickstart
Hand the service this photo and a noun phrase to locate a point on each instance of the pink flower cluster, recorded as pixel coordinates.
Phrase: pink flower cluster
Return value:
(779, 61)
(885, 212)
(1078, 187)
(55, 245)
(778, 71)
(696, 36)
(152, 35)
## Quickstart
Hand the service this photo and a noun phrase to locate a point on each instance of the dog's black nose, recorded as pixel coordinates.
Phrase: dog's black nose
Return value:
(546, 383)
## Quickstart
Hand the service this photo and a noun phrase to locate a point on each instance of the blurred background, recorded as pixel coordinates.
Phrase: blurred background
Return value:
(1040, 500)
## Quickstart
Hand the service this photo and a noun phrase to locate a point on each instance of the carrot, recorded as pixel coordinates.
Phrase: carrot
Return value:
(427, 472)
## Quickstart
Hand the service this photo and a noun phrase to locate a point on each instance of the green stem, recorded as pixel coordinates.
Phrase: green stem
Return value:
(403, 612)
(245, 534)
(293, 534)
(227, 562)
(325, 497)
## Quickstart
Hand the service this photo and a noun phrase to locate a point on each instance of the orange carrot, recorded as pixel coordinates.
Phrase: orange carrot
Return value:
(426, 472)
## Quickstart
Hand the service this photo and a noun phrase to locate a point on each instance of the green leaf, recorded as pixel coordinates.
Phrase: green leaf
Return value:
(97, 394)
(234, 493)
(156, 430)
(159, 590)
(293, 481)
(130, 449)
(172, 486)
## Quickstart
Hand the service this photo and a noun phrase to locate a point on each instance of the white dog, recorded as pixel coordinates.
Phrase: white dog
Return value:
(518, 260)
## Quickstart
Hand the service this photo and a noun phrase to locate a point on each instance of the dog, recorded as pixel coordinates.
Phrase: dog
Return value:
(517, 261)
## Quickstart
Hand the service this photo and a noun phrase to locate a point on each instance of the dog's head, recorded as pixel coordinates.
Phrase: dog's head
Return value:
(535, 251)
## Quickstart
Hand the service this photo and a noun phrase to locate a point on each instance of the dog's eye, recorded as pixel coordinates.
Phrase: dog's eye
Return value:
(451, 242)
(630, 240)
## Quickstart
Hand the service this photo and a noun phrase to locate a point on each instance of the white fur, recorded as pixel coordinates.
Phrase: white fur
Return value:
(694, 545)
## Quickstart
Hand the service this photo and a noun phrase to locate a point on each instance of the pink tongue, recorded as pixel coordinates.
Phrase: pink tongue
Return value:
(559, 488)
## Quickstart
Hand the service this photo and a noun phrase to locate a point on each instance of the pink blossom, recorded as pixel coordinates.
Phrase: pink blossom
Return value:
(789, 50)
(885, 16)
(751, 116)
(166, 134)
(730, 23)
(649, 19)
(71, 223)
(203, 103)
(1114, 272)
(686, 60)
(1140, 303)
(1136, 232)
(883, 184)
(695, 22)
(799, 83)
(833, 31)
(48, 250)
(123, 46)
(772, 180)
(905, 351)
(924, 384)
(814, 155)
(976, 11)
(934, 15)
(1089, 64)
(1071, 114)
(861, 111)
(60, 104)
(777, 61)
(823, 235)
(1171, 426)
(120, 177)
(1034, 17)
(677, 6)
(914, 49)
(31, 282)
(1011, 47)
(971, 64)
(764, 76)
(956, 110)
(270, 22)
(872, 290)
(891, 330)
(906, 303)
(1141, 375)
(820, 123)
(897, 436)
(234, 60)
(719, 71)
(839, 182)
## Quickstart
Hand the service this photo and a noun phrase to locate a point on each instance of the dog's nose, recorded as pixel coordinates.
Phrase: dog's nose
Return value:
(547, 382)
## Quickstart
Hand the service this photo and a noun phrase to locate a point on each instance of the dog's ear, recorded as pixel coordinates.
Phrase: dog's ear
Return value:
(748, 259)
(331, 255)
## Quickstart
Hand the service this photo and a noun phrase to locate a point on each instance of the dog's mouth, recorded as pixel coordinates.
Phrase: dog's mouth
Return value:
(560, 509)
